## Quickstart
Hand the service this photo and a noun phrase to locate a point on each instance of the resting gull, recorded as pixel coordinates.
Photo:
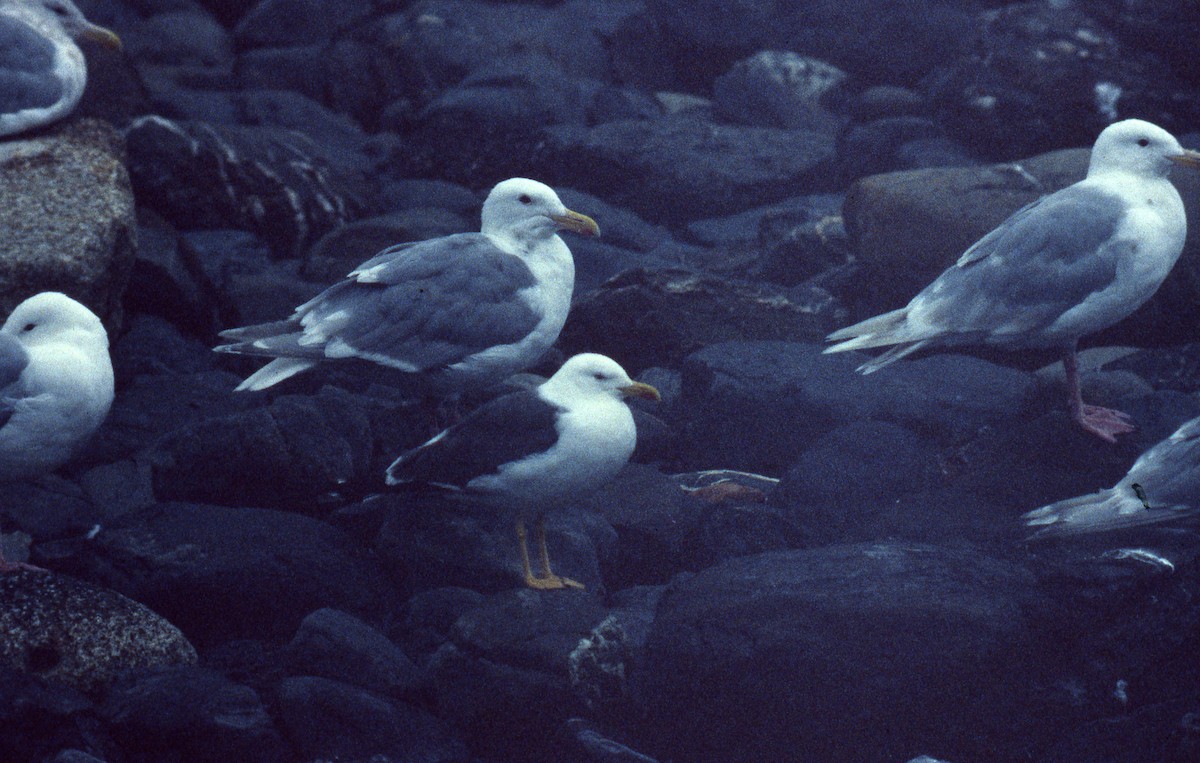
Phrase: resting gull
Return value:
(1065, 266)
(1163, 484)
(533, 450)
(42, 71)
(56, 385)
(464, 310)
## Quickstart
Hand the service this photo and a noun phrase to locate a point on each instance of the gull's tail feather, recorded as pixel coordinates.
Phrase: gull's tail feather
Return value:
(260, 331)
(1112, 509)
(273, 373)
(879, 331)
(891, 356)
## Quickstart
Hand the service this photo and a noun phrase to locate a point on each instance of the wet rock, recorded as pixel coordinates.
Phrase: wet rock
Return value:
(68, 631)
(192, 712)
(339, 646)
(429, 616)
(757, 405)
(180, 38)
(790, 646)
(591, 744)
(650, 318)
(68, 218)
(327, 719)
(346, 247)
(673, 169)
(168, 280)
(779, 89)
(274, 182)
(897, 143)
(224, 573)
(274, 23)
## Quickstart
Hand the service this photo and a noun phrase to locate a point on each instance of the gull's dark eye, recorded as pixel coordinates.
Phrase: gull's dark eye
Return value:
(598, 376)
(29, 327)
(525, 199)
(1143, 142)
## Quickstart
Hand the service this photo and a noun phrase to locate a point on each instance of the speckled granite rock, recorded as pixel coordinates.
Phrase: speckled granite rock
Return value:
(67, 217)
(64, 629)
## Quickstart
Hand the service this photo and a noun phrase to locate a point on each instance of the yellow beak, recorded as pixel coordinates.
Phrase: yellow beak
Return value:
(103, 36)
(644, 391)
(573, 221)
(1187, 158)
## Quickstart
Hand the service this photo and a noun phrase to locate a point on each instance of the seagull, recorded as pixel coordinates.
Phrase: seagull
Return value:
(532, 450)
(42, 71)
(1163, 484)
(464, 311)
(56, 385)
(1065, 266)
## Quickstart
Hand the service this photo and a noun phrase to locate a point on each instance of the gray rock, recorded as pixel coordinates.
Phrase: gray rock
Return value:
(194, 713)
(338, 646)
(169, 281)
(344, 248)
(278, 23)
(180, 38)
(39, 718)
(674, 169)
(68, 218)
(779, 89)
(72, 632)
(851, 653)
(429, 616)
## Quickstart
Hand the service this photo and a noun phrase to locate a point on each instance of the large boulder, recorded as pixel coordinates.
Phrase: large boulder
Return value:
(75, 633)
(67, 217)
(857, 653)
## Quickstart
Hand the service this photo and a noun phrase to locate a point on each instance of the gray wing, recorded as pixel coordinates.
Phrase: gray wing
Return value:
(502, 431)
(1170, 471)
(415, 306)
(13, 360)
(1047, 258)
(27, 80)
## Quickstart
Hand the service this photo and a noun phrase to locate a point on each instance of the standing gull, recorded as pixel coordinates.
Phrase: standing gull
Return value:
(42, 71)
(464, 310)
(1163, 484)
(1065, 266)
(532, 450)
(56, 385)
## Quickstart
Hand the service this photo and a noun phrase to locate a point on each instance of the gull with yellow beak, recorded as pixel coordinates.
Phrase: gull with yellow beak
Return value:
(532, 451)
(1067, 265)
(463, 311)
(42, 71)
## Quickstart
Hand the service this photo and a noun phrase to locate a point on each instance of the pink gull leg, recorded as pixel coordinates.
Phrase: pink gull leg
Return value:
(1105, 423)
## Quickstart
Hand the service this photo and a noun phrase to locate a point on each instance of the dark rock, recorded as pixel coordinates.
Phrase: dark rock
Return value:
(118, 488)
(275, 182)
(152, 346)
(907, 227)
(37, 718)
(327, 719)
(618, 227)
(882, 101)
(410, 193)
(431, 541)
(71, 632)
(503, 680)
(169, 282)
(302, 69)
(430, 615)
(656, 318)
(756, 405)
(223, 573)
(179, 38)
(851, 653)
(338, 646)
(1159, 27)
(731, 529)
(837, 487)
(271, 23)
(48, 508)
(797, 245)
(340, 141)
(192, 712)
(779, 89)
(896, 143)
(1039, 77)
(591, 744)
(298, 452)
(886, 44)
(596, 261)
(346, 247)
(68, 218)
(673, 169)
(75, 756)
